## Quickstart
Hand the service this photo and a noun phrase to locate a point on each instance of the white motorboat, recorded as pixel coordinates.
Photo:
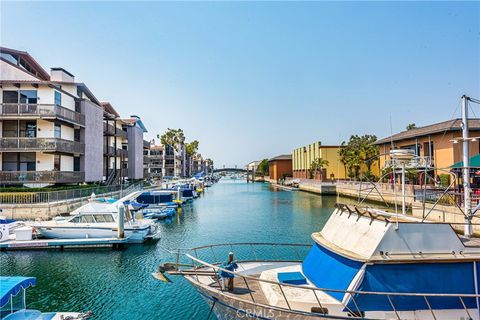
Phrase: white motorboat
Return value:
(97, 219)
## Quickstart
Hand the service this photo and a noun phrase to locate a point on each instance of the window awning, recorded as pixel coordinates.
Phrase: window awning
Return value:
(11, 286)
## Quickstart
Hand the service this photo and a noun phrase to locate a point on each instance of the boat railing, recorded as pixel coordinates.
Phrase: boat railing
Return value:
(197, 268)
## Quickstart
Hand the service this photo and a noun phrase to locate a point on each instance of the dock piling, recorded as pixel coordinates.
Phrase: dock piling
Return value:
(121, 226)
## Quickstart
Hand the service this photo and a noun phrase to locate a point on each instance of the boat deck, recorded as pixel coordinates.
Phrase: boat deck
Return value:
(61, 244)
(261, 292)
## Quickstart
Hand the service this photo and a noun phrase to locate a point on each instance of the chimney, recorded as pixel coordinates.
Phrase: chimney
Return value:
(61, 75)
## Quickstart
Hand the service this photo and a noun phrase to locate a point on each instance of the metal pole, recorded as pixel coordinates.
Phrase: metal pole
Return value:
(121, 216)
(466, 168)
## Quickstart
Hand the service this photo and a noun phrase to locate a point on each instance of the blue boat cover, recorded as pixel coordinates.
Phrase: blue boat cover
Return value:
(437, 278)
(154, 198)
(199, 175)
(326, 269)
(296, 278)
(187, 193)
(11, 286)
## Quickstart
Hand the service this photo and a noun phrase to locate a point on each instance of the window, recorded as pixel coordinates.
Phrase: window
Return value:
(10, 161)
(79, 92)
(58, 98)
(87, 219)
(76, 164)
(108, 218)
(10, 128)
(76, 220)
(78, 107)
(104, 218)
(12, 58)
(76, 135)
(56, 162)
(10, 96)
(28, 129)
(28, 96)
(27, 161)
(18, 161)
(57, 131)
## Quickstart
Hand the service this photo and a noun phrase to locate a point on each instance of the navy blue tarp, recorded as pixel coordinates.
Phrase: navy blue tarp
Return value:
(152, 198)
(437, 278)
(326, 269)
(187, 193)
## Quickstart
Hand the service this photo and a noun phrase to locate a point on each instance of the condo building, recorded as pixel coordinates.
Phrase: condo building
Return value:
(53, 130)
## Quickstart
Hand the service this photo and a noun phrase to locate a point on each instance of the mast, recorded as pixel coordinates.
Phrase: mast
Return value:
(466, 169)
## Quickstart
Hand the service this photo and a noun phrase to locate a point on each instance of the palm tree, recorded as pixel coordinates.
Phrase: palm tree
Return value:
(317, 165)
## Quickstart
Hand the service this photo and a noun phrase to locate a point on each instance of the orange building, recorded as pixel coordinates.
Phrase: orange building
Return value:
(280, 167)
(440, 143)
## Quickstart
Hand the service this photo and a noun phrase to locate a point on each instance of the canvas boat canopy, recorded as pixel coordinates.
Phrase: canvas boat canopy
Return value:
(474, 162)
(11, 286)
(425, 278)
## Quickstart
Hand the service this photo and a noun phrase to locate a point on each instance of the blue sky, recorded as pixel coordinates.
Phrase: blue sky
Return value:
(253, 80)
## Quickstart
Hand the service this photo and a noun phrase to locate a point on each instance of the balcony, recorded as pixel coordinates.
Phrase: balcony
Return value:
(122, 152)
(109, 150)
(14, 177)
(16, 111)
(20, 144)
(108, 129)
(155, 165)
(111, 130)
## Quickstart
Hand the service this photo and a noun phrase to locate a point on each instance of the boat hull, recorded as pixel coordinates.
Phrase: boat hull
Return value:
(65, 232)
(228, 308)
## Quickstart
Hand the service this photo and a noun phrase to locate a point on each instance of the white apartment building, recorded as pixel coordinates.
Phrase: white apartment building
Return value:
(51, 127)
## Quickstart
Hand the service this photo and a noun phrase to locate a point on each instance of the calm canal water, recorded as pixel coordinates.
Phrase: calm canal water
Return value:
(118, 284)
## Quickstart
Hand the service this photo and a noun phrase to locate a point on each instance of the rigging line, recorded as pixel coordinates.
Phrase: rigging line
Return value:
(474, 100)
(451, 125)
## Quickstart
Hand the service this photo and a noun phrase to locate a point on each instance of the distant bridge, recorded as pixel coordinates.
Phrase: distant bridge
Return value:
(229, 170)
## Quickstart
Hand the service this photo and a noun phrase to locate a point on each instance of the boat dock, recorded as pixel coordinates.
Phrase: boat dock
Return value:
(61, 244)
(283, 187)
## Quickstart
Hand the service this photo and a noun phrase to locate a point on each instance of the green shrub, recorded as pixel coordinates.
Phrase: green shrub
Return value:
(444, 180)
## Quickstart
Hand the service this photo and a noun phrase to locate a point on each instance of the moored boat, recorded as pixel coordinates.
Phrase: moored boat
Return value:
(11, 287)
(98, 219)
(363, 263)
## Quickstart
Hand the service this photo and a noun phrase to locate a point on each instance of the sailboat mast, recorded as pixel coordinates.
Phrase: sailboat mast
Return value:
(466, 168)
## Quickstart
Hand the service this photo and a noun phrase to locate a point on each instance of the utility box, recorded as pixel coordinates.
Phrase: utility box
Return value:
(23, 234)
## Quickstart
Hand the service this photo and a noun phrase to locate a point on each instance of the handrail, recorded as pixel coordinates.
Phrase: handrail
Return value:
(350, 296)
(466, 295)
(41, 110)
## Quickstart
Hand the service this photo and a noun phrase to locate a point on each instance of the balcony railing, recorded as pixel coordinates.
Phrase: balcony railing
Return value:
(20, 144)
(18, 110)
(122, 152)
(112, 151)
(109, 150)
(108, 129)
(120, 133)
(41, 176)
(111, 130)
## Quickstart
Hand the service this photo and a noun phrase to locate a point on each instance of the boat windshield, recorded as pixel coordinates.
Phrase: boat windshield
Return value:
(104, 218)
(89, 218)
